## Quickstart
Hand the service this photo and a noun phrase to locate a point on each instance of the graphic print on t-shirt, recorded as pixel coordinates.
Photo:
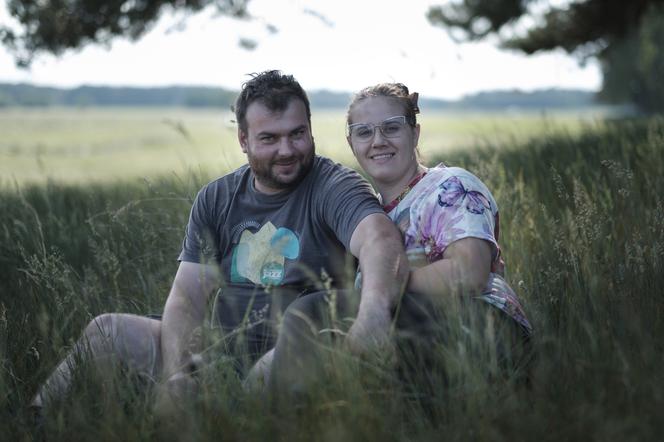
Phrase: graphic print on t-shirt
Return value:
(260, 257)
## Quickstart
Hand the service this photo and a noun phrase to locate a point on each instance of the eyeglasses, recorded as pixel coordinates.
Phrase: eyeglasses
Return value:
(393, 127)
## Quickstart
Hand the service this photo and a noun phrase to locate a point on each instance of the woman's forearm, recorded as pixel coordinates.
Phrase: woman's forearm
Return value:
(463, 270)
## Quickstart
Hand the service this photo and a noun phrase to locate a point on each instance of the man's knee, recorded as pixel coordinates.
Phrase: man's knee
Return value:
(103, 326)
(133, 340)
(318, 317)
(303, 316)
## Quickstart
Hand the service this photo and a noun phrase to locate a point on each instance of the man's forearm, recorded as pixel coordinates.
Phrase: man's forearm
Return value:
(384, 268)
(378, 245)
(184, 312)
(179, 322)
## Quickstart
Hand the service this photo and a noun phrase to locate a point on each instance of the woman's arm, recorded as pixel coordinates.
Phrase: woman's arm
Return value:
(464, 269)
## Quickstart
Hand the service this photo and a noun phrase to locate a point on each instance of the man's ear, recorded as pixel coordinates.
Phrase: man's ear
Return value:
(242, 138)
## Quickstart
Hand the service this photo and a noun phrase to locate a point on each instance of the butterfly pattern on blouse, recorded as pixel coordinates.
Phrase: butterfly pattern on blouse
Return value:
(454, 192)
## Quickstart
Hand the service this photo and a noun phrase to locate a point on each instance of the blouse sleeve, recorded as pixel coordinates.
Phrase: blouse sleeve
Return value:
(456, 206)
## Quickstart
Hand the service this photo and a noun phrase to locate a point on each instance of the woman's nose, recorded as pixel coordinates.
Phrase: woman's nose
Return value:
(378, 138)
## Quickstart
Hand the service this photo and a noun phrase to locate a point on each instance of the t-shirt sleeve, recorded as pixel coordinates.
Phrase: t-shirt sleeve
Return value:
(347, 199)
(459, 206)
(200, 240)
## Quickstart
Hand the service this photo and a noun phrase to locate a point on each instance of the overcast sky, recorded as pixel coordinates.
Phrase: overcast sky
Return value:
(344, 46)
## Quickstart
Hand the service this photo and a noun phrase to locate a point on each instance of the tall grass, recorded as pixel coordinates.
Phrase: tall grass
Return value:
(584, 236)
(582, 230)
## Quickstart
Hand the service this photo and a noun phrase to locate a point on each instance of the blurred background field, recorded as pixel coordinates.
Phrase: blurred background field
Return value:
(103, 144)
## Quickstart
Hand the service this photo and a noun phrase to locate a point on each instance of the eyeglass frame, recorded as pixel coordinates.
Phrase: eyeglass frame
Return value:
(349, 127)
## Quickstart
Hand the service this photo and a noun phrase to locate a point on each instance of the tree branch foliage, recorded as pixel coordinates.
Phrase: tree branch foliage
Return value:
(626, 36)
(633, 67)
(569, 27)
(476, 18)
(57, 25)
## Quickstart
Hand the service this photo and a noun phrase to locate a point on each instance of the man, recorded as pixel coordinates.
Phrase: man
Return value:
(268, 233)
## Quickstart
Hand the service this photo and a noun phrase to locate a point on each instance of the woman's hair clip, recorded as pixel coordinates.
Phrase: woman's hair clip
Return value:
(413, 102)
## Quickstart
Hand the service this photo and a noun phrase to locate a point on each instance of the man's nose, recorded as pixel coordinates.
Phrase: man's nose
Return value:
(285, 147)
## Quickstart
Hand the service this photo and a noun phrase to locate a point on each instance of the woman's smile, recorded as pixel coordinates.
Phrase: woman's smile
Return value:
(382, 157)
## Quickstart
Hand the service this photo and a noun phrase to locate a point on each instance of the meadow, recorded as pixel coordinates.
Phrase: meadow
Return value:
(83, 145)
(582, 231)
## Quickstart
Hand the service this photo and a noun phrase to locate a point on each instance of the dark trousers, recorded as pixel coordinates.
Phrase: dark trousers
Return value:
(436, 342)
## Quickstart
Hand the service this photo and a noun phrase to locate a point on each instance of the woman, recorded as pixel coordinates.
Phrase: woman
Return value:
(449, 222)
(448, 217)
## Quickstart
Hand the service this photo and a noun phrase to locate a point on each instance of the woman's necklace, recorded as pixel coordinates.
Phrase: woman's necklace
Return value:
(395, 202)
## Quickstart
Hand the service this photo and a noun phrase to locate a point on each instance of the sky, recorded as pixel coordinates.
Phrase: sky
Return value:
(343, 45)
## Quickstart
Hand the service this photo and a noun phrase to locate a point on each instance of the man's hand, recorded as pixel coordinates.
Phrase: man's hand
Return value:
(184, 313)
(173, 396)
(377, 243)
(259, 376)
(371, 334)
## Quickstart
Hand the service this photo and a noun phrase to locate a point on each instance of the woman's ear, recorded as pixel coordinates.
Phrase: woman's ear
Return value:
(416, 134)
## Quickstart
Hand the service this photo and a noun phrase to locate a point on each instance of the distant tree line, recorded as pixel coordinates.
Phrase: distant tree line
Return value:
(539, 99)
(31, 95)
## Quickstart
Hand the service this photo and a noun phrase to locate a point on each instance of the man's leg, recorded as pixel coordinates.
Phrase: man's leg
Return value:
(259, 375)
(113, 338)
(307, 330)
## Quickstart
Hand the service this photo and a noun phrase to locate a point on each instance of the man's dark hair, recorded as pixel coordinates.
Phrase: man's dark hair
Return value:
(274, 90)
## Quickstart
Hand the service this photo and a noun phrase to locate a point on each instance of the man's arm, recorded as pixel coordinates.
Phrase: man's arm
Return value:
(183, 313)
(378, 245)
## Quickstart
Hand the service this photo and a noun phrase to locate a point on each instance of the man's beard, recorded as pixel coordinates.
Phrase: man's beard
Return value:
(263, 171)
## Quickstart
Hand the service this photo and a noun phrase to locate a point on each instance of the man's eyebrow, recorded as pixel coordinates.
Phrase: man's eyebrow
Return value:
(298, 128)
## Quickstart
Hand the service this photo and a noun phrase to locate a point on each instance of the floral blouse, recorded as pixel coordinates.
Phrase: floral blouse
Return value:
(446, 205)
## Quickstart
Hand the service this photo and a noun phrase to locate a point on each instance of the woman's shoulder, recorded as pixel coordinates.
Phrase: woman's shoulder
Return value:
(444, 175)
(456, 181)
(443, 172)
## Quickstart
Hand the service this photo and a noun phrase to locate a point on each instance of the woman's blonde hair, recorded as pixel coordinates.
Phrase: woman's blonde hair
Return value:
(398, 91)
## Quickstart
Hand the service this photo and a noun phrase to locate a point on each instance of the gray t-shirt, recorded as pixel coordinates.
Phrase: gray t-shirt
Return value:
(283, 243)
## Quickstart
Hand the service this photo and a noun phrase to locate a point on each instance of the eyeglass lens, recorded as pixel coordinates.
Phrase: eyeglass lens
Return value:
(389, 128)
